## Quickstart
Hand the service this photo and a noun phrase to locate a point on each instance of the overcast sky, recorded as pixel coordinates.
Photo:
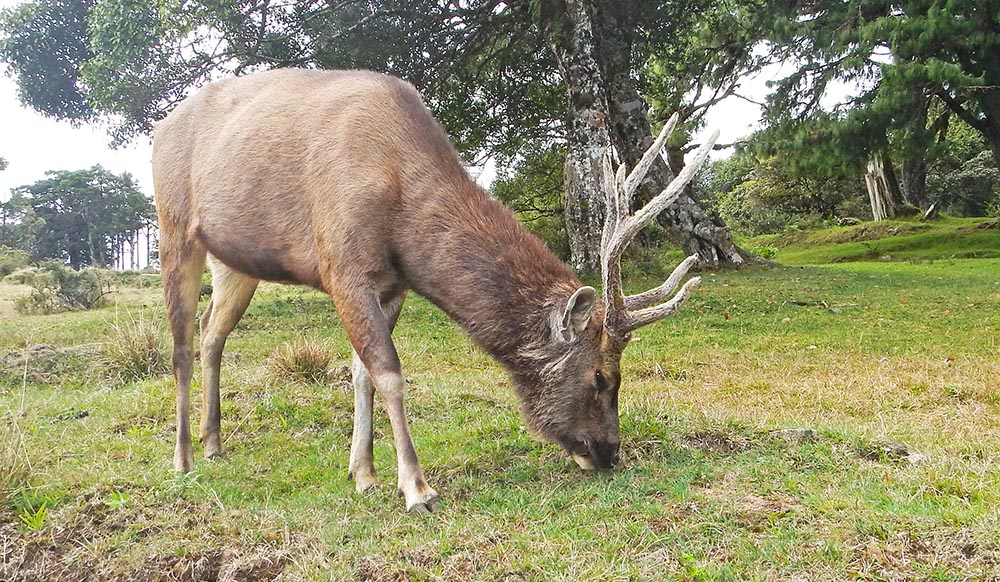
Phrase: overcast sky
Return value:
(33, 144)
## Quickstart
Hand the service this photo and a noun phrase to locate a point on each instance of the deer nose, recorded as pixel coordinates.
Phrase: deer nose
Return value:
(605, 455)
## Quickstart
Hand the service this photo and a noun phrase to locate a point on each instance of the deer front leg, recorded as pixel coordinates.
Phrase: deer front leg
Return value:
(420, 498)
(362, 465)
(369, 325)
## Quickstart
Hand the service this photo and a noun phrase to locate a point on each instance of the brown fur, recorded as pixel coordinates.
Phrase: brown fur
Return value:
(343, 181)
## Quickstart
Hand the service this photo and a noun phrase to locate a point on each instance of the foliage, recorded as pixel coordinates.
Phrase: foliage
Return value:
(478, 64)
(81, 217)
(964, 179)
(533, 189)
(697, 54)
(12, 260)
(57, 288)
(33, 517)
(134, 350)
(899, 55)
(48, 78)
(969, 188)
(769, 195)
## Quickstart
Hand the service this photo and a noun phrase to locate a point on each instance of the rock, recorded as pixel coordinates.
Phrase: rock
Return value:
(896, 450)
(917, 458)
(797, 435)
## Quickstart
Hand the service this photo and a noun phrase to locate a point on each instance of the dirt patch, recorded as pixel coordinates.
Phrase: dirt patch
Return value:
(44, 363)
(230, 565)
(904, 556)
(82, 548)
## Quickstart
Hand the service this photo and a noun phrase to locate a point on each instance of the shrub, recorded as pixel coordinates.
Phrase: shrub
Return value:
(12, 260)
(303, 360)
(750, 216)
(135, 350)
(57, 288)
(23, 276)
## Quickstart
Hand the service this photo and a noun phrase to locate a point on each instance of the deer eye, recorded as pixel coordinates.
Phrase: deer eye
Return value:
(600, 381)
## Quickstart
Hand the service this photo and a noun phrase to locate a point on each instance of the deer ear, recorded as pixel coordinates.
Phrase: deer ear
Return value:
(577, 314)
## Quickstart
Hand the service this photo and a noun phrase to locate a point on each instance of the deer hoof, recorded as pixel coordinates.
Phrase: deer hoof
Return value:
(213, 446)
(183, 460)
(363, 483)
(426, 504)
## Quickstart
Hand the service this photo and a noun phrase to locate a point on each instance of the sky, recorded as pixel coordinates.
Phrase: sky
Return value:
(33, 144)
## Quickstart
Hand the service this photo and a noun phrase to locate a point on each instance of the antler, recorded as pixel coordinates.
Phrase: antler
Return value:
(625, 314)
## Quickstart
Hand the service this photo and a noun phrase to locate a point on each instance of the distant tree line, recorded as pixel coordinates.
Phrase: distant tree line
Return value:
(81, 218)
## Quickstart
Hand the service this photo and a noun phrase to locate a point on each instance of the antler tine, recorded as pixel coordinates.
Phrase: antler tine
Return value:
(629, 227)
(625, 314)
(657, 294)
(637, 319)
(638, 174)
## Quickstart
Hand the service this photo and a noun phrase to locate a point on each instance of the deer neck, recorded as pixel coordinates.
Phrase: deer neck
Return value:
(492, 276)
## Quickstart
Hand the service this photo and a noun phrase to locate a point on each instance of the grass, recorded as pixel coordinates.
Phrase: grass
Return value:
(890, 240)
(134, 350)
(868, 354)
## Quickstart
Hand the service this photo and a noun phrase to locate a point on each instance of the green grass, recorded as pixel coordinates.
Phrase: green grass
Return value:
(866, 353)
(890, 240)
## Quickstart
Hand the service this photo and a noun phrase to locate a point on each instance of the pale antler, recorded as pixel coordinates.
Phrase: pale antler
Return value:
(625, 314)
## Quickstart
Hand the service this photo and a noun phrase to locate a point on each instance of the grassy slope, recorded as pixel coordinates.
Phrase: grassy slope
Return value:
(943, 238)
(865, 353)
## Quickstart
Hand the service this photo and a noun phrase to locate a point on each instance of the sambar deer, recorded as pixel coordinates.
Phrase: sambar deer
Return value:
(343, 181)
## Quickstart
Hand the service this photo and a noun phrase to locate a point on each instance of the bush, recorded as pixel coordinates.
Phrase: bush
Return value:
(751, 216)
(135, 351)
(12, 260)
(22, 276)
(304, 360)
(57, 288)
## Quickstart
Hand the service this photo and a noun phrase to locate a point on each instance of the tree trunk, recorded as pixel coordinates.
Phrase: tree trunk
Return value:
(592, 41)
(568, 31)
(914, 174)
(687, 224)
(883, 188)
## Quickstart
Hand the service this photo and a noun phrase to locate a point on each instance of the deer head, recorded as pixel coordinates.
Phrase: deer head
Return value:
(580, 366)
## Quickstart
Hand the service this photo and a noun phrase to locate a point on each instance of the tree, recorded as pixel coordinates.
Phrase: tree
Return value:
(900, 54)
(495, 71)
(3, 164)
(85, 217)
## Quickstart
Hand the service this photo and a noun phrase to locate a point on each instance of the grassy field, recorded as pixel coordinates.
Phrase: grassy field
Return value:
(894, 365)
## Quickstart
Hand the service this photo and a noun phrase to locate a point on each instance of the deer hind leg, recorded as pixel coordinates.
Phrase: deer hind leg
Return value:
(182, 263)
(362, 465)
(371, 336)
(231, 294)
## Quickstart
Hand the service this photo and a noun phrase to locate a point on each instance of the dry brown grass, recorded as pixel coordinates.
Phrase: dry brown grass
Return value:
(303, 360)
(135, 350)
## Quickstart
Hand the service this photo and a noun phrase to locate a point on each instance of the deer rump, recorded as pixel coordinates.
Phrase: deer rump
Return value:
(343, 181)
